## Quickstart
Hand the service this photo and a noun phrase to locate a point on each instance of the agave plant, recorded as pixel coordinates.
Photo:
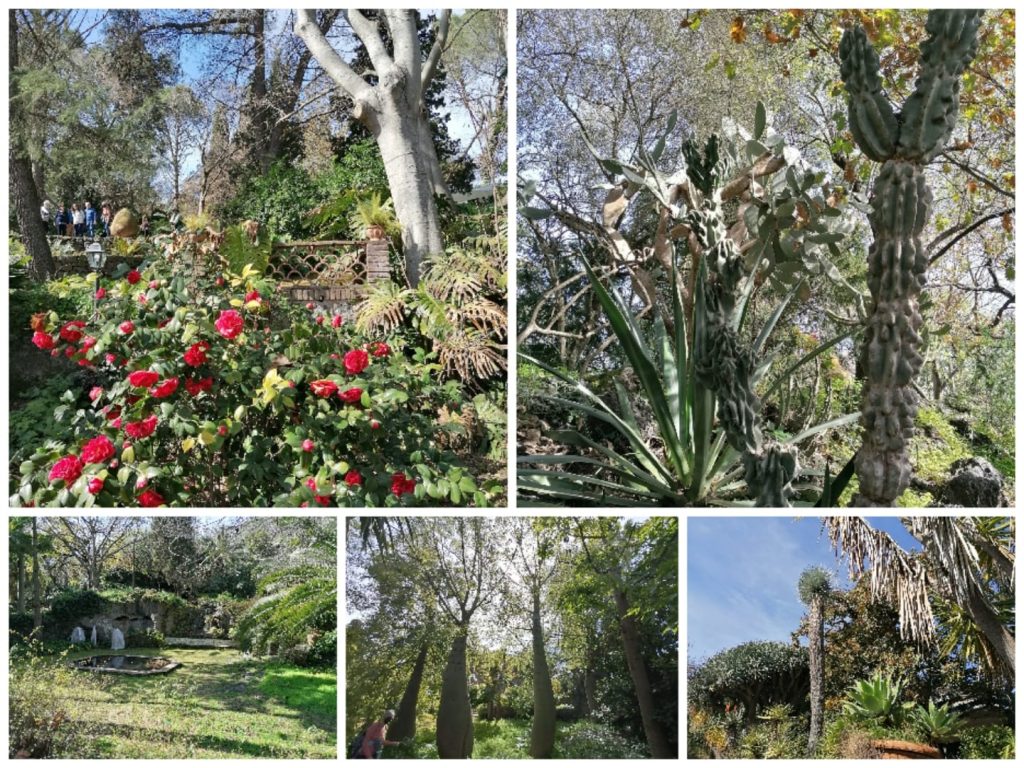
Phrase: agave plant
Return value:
(876, 699)
(695, 361)
(937, 725)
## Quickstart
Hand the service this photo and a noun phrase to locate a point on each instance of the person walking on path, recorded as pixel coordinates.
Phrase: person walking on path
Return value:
(90, 218)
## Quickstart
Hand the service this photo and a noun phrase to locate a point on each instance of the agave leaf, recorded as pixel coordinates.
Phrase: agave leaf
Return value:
(622, 463)
(773, 319)
(833, 490)
(840, 421)
(567, 487)
(588, 480)
(808, 357)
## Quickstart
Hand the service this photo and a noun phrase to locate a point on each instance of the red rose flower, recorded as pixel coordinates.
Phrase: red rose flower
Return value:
(308, 445)
(42, 340)
(353, 478)
(319, 319)
(165, 388)
(229, 324)
(356, 361)
(95, 393)
(380, 349)
(196, 354)
(323, 387)
(143, 378)
(322, 500)
(67, 469)
(401, 484)
(101, 293)
(336, 321)
(222, 430)
(95, 485)
(88, 343)
(351, 395)
(110, 357)
(150, 498)
(133, 277)
(310, 305)
(69, 352)
(99, 450)
(253, 296)
(126, 327)
(116, 423)
(374, 424)
(141, 429)
(219, 282)
(195, 386)
(70, 332)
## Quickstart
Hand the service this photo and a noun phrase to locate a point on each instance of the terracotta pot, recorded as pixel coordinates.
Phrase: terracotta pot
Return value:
(375, 232)
(893, 749)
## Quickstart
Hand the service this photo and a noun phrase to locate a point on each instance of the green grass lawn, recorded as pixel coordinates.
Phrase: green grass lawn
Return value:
(510, 740)
(218, 704)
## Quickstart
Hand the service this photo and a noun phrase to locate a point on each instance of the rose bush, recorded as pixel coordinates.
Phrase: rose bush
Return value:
(207, 390)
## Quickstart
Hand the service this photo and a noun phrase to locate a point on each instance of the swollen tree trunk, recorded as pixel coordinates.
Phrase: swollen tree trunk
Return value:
(656, 740)
(37, 589)
(23, 186)
(454, 716)
(395, 114)
(542, 733)
(404, 725)
(816, 636)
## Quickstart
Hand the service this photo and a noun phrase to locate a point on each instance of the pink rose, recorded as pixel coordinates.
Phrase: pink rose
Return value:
(126, 327)
(67, 469)
(308, 445)
(229, 324)
(356, 361)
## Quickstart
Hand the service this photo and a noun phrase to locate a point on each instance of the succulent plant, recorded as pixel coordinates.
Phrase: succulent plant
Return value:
(875, 699)
(936, 724)
(900, 203)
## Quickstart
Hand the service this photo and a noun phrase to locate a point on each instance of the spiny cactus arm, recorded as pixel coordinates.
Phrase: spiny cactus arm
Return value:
(872, 120)
(930, 113)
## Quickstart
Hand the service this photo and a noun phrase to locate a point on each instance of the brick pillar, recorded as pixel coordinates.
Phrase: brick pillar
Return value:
(377, 266)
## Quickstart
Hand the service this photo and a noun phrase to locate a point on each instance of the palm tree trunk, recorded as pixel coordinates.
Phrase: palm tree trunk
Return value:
(656, 740)
(404, 726)
(817, 664)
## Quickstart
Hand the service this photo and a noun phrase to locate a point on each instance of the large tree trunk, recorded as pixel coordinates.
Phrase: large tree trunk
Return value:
(404, 725)
(542, 733)
(454, 716)
(23, 186)
(656, 740)
(817, 663)
(37, 588)
(21, 582)
(1002, 640)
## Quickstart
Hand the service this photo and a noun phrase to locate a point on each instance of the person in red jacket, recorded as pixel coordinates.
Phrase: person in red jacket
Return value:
(375, 738)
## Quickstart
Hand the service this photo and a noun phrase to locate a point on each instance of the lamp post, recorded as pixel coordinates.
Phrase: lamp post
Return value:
(96, 257)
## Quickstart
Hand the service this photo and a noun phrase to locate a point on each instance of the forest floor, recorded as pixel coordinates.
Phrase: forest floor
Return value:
(510, 740)
(218, 704)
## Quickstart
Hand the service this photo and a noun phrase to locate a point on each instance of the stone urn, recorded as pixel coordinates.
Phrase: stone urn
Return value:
(375, 232)
(893, 749)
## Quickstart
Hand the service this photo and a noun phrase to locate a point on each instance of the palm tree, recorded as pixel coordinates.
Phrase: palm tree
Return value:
(967, 562)
(814, 587)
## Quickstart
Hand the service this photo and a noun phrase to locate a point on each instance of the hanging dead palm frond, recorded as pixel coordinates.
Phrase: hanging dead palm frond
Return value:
(383, 309)
(469, 354)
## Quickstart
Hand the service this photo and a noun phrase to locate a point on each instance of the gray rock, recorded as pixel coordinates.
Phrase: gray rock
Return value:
(973, 482)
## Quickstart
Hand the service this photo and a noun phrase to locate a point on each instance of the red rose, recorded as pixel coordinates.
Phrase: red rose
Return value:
(195, 386)
(310, 305)
(308, 445)
(374, 424)
(85, 363)
(126, 327)
(351, 395)
(353, 478)
(401, 484)
(101, 293)
(336, 321)
(253, 296)
(380, 349)
(141, 429)
(222, 430)
(116, 423)
(111, 412)
(165, 388)
(229, 324)
(42, 340)
(95, 393)
(323, 387)
(133, 277)
(322, 500)
(69, 352)
(70, 332)
(219, 282)
(196, 354)
(88, 343)
(356, 361)
(95, 485)
(143, 378)
(110, 357)
(319, 319)
(150, 498)
(99, 450)
(67, 469)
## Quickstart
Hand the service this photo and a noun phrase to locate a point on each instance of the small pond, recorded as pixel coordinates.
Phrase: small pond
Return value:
(126, 665)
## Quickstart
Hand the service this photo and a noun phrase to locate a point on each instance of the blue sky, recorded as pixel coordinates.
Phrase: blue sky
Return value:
(742, 574)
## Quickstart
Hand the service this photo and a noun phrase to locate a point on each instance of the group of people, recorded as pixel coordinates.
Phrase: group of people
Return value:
(77, 221)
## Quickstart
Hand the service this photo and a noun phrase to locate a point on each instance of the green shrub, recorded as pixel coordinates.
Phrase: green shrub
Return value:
(19, 625)
(987, 742)
(71, 604)
(848, 737)
(324, 651)
(588, 740)
(144, 638)
(41, 724)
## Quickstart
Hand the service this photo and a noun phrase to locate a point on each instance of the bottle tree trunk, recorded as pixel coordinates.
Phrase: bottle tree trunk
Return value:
(542, 733)
(23, 186)
(454, 716)
(37, 587)
(404, 726)
(816, 636)
(656, 740)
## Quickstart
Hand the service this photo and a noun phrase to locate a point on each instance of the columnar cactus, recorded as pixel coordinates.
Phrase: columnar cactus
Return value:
(901, 203)
(727, 368)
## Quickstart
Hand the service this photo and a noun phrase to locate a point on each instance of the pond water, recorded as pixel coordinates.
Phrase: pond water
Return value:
(127, 665)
